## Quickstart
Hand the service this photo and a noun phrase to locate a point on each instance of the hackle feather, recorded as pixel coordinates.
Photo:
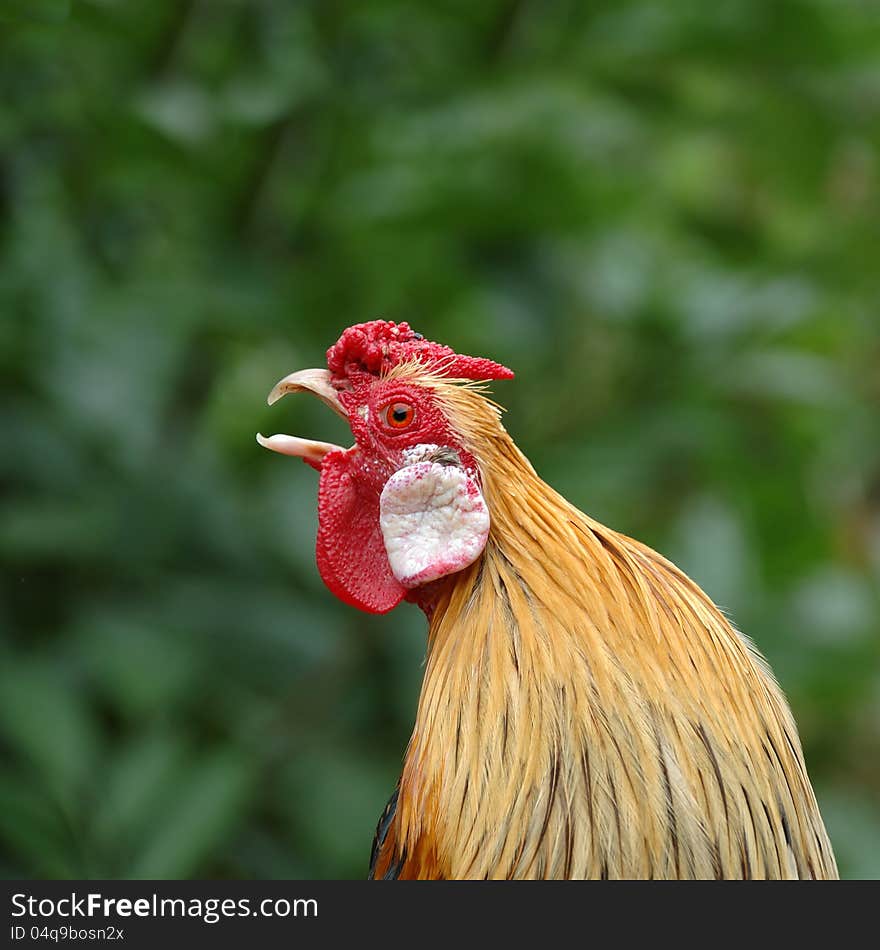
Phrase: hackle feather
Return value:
(587, 711)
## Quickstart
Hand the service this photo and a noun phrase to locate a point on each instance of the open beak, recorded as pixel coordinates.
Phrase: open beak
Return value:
(317, 382)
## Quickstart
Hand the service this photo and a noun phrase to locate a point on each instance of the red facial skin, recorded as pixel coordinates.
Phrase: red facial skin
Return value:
(350, 549)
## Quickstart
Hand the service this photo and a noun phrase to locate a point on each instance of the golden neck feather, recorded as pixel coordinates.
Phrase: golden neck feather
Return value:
(575, 715)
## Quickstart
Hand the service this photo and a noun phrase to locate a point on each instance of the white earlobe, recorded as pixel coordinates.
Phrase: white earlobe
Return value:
(434, 520)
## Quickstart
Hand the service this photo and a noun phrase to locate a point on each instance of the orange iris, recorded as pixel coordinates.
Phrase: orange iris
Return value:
(399, 415)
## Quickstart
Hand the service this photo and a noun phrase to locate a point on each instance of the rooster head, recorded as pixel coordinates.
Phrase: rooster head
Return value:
(404, 506)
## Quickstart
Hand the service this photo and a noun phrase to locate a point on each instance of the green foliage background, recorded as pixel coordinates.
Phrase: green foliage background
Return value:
(663, 215)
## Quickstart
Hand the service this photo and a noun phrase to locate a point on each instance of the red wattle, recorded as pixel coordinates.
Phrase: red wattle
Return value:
(350, 549)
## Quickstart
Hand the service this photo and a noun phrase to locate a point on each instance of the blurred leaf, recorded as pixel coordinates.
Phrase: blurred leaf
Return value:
(208, 800)
(854, 828)
(338, 800)
(34, 830)
(836, 606)
(51, 725)
(180, 110)
(35, 11)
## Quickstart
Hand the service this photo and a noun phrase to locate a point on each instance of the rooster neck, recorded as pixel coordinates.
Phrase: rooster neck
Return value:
(503, 684)
(575, 716)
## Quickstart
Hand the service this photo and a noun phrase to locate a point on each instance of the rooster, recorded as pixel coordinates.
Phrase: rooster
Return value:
(586, 710)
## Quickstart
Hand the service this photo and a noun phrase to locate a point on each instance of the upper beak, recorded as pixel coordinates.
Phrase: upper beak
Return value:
(317, 382)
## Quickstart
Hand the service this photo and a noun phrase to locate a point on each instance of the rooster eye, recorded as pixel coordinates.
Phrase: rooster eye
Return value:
(399, 415)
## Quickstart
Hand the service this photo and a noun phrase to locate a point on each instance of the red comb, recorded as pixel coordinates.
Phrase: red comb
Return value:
(379, 345)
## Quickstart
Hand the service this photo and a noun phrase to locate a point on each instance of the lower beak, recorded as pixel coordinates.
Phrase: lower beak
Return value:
(306, 449)
(317, 382)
